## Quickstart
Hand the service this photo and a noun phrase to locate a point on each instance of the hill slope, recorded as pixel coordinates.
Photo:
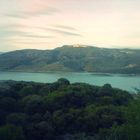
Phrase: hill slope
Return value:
(69, 58)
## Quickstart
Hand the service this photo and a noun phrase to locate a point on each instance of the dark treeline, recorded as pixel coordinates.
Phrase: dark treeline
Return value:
(64, 111)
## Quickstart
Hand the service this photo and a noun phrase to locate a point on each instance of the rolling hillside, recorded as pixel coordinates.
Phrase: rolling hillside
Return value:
(70, 58)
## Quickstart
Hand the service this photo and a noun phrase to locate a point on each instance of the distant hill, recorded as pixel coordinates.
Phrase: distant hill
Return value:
(71, 58)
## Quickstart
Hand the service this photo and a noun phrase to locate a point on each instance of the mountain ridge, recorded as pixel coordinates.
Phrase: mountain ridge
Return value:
(70, 58)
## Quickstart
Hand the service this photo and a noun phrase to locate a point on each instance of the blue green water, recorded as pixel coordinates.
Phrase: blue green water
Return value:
(126, 82)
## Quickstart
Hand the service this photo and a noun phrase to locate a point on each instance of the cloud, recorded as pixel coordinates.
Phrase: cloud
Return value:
(36, 36)
(64, 32)
(11, 33)
(60, 29)
(33, 42)
(48, 11)
(65, 27)
(12, 26)
(16, 15)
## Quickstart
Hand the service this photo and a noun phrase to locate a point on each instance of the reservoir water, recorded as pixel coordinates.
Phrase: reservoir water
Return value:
(122, 81)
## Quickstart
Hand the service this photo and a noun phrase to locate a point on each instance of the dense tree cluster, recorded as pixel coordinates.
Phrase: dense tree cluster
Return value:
(64, 111)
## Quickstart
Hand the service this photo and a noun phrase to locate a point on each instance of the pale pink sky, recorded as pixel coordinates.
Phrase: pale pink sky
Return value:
(46, 24)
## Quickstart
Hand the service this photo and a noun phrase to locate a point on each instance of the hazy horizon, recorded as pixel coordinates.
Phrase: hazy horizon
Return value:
(46, 24)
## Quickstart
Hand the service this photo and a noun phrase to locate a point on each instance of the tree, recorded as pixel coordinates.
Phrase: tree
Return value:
(106, 90)
(8, 104)
(27, 90)
(40, 131)
(11, 132)
(34, 104)
(18, 119)
(63, 81)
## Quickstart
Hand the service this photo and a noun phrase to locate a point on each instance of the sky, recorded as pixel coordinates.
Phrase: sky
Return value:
(47, 24)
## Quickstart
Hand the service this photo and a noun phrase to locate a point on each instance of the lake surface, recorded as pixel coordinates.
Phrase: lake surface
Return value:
(123, 81)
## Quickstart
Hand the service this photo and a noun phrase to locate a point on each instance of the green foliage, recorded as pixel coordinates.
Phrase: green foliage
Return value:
(106, 90)
(78, 136)
(8, 104)
(11, 132)
(63, 81)
(27, 90)
(19, 119)
(33, 104)
(131, 127)
(64, 111)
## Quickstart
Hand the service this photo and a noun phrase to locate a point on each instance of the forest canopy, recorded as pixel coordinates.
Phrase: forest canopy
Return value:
(65, 111)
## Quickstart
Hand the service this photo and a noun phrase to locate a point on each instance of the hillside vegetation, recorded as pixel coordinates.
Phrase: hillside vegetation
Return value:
(69, 58)
(64, 111)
